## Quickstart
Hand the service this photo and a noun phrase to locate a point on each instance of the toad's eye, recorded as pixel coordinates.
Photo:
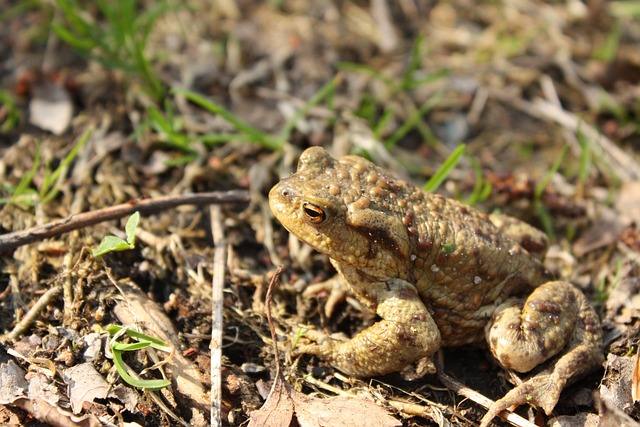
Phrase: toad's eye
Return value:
(313, 214)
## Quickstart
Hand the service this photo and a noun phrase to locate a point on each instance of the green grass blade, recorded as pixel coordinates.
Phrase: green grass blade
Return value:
(73, 40)
(68, 9)
(414, 121)
(52, 181)
(438, 178)
(134, 346)
(366, 69)
(549, 174)
(253, 134)
(121, 367)
(156, 343)
(324, 92)
(26, 179)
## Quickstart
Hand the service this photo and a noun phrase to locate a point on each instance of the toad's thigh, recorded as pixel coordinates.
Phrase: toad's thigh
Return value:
(554, 317)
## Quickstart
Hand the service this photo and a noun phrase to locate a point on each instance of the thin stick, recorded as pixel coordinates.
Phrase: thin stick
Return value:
(15, 239)
(459, 388)
(623, 164)
(272, 328)
(217, 285)
(34, 312)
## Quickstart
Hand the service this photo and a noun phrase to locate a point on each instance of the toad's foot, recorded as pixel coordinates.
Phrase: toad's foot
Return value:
(539, 391)
(405, 334)
(556, 320)
(337, 289)
(543, 390)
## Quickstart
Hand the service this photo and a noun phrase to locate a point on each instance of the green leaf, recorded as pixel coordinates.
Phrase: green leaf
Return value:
(111, 244)
(130, 229)
(549, 174)
(253, 134)
(116, 244)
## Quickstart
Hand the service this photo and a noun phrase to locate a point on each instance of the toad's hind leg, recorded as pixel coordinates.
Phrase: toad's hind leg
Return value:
(556, 320)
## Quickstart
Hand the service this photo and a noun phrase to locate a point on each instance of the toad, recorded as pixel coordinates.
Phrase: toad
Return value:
(437, 273)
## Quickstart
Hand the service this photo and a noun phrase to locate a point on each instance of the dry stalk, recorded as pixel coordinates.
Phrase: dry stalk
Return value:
(15, 239)
(459, 388)
(217, 285)
(34, 312)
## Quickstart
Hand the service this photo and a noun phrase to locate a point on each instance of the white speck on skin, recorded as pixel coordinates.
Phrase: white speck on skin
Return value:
(477, 280)
(434, 268)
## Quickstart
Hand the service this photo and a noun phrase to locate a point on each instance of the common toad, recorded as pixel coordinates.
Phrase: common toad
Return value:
(438, 273)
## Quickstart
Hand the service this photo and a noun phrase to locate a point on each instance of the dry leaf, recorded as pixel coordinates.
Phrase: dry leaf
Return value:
(85, 385)
(623, 303)
(41, 400)
(12, 382)
(43, 388)
(580, 420)
(615, 390)
(611, 416)
(627, 204)
(285, 404)
(50, 107)
(604, 231)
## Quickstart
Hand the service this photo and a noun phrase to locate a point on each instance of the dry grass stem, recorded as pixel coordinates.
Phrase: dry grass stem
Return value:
(459, 388)
(34, 312)
(15, 239)
(217, 286)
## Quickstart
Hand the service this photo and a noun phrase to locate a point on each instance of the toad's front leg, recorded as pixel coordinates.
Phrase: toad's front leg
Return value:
(405, 334)
(556, 320)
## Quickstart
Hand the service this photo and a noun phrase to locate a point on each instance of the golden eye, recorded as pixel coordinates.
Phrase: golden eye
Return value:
(313, 214)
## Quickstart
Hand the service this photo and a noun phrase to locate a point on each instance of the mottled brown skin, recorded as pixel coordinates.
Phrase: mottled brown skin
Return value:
(438, 273)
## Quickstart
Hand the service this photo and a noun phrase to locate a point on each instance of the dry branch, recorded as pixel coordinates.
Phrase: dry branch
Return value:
(15, 239)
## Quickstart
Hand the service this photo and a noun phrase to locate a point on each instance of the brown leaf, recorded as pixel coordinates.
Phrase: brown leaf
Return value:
(615, 390)
(12, 382)
(627, 204)
(278, 409)
(85, 385)
(604, 231)
(284, 403)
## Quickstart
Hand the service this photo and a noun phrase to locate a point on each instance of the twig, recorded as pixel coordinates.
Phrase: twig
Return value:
(67, 287)
(15, 239)
(623, 164)
(34, 312)
(459, 388)
(217, 285)
(387, 40)
(272, 328)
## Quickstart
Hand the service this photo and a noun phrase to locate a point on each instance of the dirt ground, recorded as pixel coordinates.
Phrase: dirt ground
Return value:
(189, 112)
